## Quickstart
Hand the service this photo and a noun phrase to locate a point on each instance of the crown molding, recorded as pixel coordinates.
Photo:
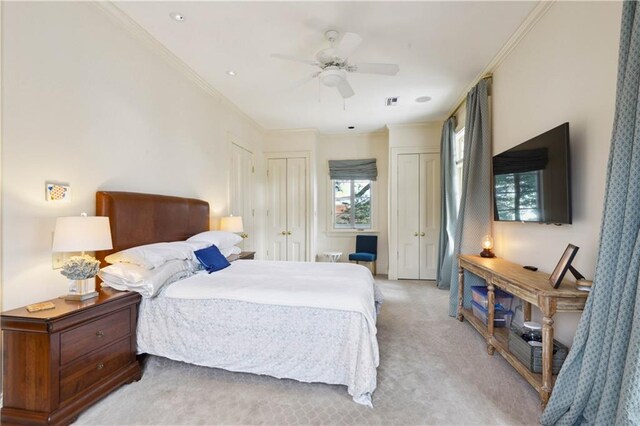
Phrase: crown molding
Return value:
(301, 130)
(527, 25)
(414, 125)
(130, 25)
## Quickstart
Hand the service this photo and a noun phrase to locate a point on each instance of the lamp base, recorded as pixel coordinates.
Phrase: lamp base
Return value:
(80, 297)
(487, 253)
(81, 290)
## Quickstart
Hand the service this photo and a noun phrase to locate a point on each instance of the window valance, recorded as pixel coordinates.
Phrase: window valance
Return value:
(353, 169)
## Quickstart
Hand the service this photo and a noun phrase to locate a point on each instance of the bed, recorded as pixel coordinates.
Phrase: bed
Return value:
(312, 322)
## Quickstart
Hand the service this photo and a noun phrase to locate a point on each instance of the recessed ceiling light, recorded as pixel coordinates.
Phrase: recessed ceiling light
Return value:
(231, 73)
(351, 127)
(177, 16)
(423, 99)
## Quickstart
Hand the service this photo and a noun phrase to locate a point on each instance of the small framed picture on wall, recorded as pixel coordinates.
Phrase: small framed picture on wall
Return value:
(563, 265)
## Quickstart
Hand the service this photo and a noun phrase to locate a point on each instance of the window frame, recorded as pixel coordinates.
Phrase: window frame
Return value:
(330, 228)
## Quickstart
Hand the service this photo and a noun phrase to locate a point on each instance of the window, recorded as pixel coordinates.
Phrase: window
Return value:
(458, 157)
(352, 204)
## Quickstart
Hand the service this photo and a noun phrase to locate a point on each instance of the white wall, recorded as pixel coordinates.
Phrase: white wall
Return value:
(423, 135)
(563, 70)
(343, 147)
(87, 103)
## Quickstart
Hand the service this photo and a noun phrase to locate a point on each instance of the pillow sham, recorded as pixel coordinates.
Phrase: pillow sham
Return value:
(212, 259)
(154, 255)
(231, 250)
(127, 276)
(222, 239)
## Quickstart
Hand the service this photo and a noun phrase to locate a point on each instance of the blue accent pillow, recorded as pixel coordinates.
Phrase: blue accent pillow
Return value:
(211, 259)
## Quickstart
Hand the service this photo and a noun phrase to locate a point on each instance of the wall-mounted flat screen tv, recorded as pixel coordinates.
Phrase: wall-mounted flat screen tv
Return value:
(532, 181)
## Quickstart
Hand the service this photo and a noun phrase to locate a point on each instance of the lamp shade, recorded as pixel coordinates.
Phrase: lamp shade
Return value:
(231, 224)
(82, 233)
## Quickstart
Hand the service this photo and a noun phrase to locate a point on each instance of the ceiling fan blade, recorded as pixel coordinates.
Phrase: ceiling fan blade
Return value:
(348, 44)
(295, 59)
(345, 89)
(384, 69)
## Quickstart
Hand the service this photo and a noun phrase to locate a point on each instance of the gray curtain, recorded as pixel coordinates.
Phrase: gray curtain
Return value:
(474, 215)
(447, 203)
(600, 381)
(353, 169)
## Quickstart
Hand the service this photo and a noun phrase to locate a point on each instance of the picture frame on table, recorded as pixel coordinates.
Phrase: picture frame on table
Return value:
(555, 279)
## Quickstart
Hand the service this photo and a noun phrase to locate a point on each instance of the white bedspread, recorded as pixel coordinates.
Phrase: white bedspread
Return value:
(313, 322)
(341, 286)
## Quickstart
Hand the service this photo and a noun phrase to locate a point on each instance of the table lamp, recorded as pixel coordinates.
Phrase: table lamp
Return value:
(233, 224)
(81, 233)
(487, 245)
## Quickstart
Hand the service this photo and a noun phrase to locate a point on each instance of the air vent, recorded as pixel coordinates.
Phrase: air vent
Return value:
(392, 101)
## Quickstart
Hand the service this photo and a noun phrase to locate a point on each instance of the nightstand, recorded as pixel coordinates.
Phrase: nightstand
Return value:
(244, 255)
(59, 361)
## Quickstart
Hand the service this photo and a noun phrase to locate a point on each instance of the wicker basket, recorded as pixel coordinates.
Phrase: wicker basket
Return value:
(531, 356)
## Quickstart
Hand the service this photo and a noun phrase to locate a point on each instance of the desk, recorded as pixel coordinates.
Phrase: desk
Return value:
(534, 289)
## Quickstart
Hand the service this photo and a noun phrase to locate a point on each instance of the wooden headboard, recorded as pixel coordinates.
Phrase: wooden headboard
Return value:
(138, 219)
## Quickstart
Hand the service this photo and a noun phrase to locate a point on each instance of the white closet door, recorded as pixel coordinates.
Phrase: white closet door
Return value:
(429, 184)
(296, 209)
(277, 209)
(408, 216)
(242, 191)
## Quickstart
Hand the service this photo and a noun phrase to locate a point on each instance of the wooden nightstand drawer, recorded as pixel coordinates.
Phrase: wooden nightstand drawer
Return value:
(92, 368)
(93, 335)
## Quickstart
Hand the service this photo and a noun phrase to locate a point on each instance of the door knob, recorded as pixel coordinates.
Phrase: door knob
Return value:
(288, 232)
(284, 233)
(422, 234)
(415, 234)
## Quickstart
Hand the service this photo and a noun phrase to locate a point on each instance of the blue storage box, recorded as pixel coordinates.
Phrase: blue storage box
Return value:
(503, 299)
(501, 317)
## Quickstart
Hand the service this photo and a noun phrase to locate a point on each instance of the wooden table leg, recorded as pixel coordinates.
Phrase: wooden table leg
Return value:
(527, 311)
(548, 307)
(460, 292)
(491, 306)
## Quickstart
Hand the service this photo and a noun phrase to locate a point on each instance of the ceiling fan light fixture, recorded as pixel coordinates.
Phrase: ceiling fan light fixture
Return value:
(232, 73)
(332, 77)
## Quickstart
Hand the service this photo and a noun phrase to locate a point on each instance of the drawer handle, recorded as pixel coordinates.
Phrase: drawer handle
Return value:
(100, 366)
(100, 333)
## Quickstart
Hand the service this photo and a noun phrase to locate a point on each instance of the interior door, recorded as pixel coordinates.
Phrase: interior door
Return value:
(242, 191)
(429, 184)
(277, 209)
(408, 216)
(297, 209)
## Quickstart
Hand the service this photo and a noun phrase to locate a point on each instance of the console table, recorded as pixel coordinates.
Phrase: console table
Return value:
(534, 289)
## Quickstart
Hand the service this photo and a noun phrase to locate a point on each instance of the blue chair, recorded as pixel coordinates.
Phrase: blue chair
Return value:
(366, 250)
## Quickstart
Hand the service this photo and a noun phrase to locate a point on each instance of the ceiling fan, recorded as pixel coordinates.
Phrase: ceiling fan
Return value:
(334, 63)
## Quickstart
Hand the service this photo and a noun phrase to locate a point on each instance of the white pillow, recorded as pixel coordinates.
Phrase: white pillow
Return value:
(154, 255)
(127, 276)
(231, 250)
(222, 239)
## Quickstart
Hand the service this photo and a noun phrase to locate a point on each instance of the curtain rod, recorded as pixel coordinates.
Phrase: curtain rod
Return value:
(484, 77)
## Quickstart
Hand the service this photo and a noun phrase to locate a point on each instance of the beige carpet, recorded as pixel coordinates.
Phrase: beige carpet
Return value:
(433, 370)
